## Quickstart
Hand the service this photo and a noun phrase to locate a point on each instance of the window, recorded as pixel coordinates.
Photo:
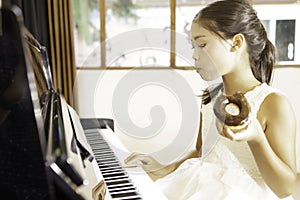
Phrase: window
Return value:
(282, 24)
(137, 34)
(86, 16)
(285, 39)
(123, 34)
(133, 33)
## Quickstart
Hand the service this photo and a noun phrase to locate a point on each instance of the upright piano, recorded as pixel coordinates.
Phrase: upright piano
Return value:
(46, 150)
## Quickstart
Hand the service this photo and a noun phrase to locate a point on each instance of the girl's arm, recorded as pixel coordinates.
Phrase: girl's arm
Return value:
(153, 168)
(156, 170)
(274, 149)
(272, 139)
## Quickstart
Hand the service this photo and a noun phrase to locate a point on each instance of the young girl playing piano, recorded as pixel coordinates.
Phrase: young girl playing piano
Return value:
(254, 162)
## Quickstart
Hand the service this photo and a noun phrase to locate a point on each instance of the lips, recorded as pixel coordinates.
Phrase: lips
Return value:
(198, 70)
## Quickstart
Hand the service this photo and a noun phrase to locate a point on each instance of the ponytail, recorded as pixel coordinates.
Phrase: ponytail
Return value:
(264, 64)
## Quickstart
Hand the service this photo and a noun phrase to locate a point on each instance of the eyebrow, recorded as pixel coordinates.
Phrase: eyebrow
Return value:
(198, 36)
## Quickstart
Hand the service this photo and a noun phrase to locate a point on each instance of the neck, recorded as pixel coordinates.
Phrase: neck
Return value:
(236, 83)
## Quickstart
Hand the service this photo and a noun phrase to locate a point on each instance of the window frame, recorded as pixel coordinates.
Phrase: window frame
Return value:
(172, 63)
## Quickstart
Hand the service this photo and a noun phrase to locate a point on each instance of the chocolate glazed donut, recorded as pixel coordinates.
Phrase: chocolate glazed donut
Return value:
(232, 110)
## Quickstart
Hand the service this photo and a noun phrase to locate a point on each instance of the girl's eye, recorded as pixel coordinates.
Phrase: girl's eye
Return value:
(202, 45)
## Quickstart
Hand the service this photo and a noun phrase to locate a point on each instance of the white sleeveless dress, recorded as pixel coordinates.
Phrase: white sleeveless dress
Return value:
(226, 170)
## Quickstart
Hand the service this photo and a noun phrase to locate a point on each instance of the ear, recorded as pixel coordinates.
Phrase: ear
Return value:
(238, 42)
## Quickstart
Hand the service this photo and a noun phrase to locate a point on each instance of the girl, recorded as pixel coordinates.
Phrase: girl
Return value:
(257, 162)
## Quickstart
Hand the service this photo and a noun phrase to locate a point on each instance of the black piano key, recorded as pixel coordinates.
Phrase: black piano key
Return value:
(123, 190)
(114, 171)
(109, 156)
(117, 182)
(116, 187)
(129, 198)
(107, 168)
(130, 195)
(104, 164)
(117, 178)
(101, 155)
(104, 159)
(115, 175)
(103, 149)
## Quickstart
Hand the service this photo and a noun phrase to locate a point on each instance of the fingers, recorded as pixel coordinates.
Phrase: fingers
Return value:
(225, 131)
(219, 126)
(99, 191)
(136, 159)
(131, 158)
(148, 163)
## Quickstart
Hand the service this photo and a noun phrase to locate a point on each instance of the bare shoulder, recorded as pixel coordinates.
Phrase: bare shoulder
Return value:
(276, 111)
(277, 105)
(277, 117)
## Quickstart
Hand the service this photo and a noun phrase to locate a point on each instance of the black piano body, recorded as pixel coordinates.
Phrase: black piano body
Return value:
(35, 159)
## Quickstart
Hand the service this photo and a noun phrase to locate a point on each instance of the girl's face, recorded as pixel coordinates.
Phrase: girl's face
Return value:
(212, 55)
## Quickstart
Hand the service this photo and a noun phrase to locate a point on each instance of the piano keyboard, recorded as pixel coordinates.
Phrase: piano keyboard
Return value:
(122, 183)
(109, 153)
(118, 182)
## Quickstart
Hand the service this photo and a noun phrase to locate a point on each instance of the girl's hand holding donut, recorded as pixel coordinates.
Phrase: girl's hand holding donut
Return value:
(234, 119)
(253, 131)
(233, 110)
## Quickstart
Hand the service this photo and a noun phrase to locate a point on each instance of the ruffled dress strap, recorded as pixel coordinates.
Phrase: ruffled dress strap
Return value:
(256, 96)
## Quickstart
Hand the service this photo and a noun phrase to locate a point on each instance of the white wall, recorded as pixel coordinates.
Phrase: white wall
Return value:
(102, 94)
(288, 80)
